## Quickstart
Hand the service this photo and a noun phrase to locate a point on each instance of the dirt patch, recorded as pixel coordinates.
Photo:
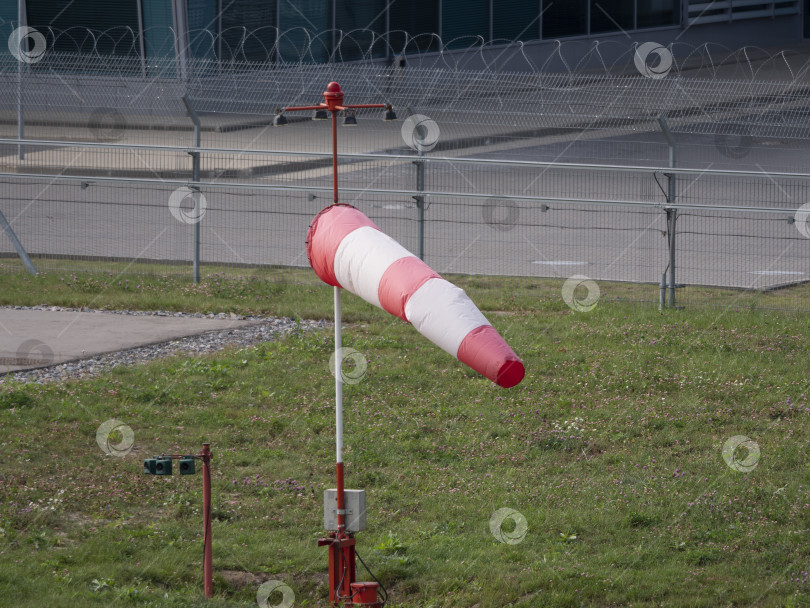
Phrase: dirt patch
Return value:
(239, 580)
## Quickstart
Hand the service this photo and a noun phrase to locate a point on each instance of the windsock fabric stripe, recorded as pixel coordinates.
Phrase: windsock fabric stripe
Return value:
(363, 258)
(444, 314)
(343, 219)
(400, 281)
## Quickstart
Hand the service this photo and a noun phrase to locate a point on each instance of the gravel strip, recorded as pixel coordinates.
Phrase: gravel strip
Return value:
(266, 329)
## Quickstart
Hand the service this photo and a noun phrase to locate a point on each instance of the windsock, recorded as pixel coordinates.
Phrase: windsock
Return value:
(346, 249)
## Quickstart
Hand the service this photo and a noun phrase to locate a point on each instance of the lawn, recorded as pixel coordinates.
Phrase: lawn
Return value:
(611, 451)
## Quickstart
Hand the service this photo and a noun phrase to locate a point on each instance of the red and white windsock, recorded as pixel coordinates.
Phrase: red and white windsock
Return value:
(346, 249)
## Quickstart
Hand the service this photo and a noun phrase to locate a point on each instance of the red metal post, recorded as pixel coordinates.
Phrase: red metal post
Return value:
(344, 545)
(334, 99)
(341, 500)
(333, 96)
(208, 582)
(341, 544)
(334, 158)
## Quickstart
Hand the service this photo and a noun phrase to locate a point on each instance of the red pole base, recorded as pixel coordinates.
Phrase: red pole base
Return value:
(341, 567)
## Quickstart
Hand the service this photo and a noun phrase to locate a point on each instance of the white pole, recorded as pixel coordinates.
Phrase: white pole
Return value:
(338, 378)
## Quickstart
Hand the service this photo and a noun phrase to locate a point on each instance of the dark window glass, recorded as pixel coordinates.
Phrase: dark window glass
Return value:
(807, 18)
(568, 18)
(158, 29)
(516, 19)
(248, 30)
(464, 18)
(202, 27)
(302, 24)
(362, 22)
(611, 15)
(112, 19)
(652, 13)
(8, 20)
(751, 8)
(414, 17)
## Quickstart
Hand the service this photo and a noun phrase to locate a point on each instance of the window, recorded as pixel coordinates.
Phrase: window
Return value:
(652, 13)
(259, 19)
(569, 18)
(355, 18)
(202, 27)
(516, 19)
(702, 12)
(158, 32)
(611, 15)
(114, 19)
(303, 24)
(414, 17)
(464, 18)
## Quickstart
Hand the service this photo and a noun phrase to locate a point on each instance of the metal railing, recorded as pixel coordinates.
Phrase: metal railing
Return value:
(736, 229)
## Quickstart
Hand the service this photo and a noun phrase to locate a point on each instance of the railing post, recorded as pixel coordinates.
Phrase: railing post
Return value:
(420, 205)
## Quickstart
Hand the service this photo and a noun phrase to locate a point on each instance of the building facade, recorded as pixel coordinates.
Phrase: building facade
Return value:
(317, 30)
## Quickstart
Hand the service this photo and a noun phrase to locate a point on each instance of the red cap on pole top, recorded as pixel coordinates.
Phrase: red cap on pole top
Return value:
(333, 96)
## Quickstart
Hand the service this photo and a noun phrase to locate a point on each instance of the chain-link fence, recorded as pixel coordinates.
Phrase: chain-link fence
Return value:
(622, 171)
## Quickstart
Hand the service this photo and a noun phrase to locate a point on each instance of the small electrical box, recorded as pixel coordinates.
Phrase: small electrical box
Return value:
(163, 466)
(187, 465)
(355, 510)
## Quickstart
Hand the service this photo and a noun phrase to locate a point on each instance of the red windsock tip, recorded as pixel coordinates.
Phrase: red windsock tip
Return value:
(510, 374)
(484, 350)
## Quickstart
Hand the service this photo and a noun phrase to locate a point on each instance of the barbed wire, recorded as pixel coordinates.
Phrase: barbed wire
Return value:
(574, 85)
(241, 48)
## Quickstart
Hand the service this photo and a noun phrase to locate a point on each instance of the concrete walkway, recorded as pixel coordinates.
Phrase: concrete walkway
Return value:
(38, 338)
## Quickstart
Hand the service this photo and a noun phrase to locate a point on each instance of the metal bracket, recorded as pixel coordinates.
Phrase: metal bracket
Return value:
(29, 265)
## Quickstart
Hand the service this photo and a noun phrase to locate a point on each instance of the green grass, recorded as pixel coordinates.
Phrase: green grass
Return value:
(611, 449)
(258, 290)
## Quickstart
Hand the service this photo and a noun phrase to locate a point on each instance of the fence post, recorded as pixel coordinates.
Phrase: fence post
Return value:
(672, 212)
(195, 177)
(21, 22)
(672, 217)
(662, 291)
(420, 205)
